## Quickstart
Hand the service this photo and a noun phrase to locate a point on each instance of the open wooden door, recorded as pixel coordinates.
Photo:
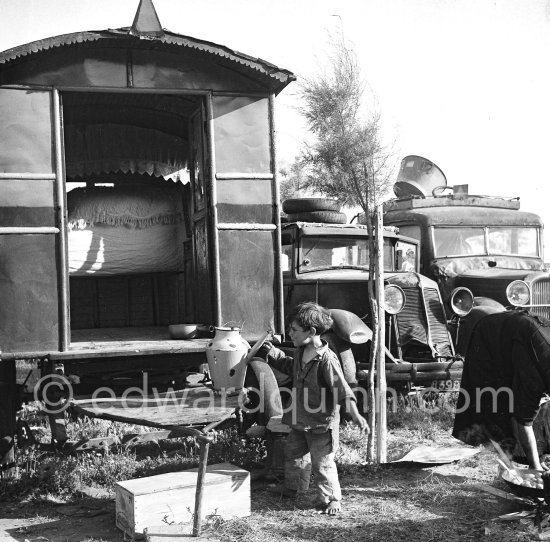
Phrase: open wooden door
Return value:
(246, 222)
(33, 282)
(199, 290)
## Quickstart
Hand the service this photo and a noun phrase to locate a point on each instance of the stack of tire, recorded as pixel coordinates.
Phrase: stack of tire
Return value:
(323, 210)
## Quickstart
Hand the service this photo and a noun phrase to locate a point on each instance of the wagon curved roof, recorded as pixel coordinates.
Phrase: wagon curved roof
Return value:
(272, 76)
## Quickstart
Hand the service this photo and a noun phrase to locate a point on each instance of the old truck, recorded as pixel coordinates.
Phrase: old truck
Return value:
(138, 189)
(485, 244)
(328, 263)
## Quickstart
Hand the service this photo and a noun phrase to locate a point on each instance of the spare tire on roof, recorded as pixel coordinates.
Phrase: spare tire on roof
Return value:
(305, 205)
(327, 217)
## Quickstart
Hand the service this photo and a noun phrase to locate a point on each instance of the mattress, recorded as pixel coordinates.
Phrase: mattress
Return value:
(125, 231)
(114, 250)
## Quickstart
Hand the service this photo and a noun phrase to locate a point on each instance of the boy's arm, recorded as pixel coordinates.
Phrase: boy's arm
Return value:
(334, 377)
(351, 407)
(276, 358)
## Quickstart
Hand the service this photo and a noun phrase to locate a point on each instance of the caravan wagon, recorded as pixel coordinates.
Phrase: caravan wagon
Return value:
(138, 189)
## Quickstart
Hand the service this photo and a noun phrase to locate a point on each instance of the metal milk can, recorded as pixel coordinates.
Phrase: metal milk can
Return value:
(226, 355)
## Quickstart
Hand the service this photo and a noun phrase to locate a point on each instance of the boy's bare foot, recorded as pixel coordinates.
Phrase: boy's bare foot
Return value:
(333, 508)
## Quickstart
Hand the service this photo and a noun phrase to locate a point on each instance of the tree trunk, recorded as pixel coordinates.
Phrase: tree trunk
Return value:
(374, 347)
(380, 332)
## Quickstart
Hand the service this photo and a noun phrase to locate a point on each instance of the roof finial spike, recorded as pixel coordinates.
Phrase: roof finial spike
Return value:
(146, 22)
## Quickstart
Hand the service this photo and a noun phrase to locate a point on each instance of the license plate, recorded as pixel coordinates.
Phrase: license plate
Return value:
(446, 385)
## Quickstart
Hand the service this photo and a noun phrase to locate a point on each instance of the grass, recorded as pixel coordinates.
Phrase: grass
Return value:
(61, 475)
(380, 502)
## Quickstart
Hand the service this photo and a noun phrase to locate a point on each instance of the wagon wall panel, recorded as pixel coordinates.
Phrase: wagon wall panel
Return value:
(28, 282)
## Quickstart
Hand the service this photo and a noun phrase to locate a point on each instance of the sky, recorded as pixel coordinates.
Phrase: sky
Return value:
(464, 83)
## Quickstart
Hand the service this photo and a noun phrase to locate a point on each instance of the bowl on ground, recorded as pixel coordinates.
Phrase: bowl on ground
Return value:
(183, 331)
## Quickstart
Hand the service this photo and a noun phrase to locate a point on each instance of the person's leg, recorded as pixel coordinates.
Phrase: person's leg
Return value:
(297, 464)
(322, 447)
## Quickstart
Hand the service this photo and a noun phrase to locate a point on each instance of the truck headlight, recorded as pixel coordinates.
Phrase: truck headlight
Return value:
(394, 299)
(461, 301)
(518, 293)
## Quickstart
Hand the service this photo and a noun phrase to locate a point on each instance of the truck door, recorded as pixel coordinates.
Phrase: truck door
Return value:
(33, 285)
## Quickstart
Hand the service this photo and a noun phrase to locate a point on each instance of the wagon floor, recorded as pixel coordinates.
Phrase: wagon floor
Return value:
(127, 341)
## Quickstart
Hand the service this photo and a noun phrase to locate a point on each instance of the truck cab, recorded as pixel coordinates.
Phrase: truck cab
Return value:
(482, 243)
(329, 264)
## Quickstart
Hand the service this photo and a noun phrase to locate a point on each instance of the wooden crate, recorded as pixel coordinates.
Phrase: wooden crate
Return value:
(170, 498)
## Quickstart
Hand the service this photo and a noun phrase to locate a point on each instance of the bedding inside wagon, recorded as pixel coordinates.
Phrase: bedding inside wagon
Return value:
(126, 252)
(124, 230)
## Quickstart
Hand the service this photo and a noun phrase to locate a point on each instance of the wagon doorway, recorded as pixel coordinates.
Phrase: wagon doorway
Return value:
(136, 213)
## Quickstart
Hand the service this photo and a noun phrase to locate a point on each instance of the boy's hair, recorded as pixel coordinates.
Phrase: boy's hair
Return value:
(310, 314)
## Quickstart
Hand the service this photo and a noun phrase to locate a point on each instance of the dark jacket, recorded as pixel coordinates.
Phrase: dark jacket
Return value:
(506, 373)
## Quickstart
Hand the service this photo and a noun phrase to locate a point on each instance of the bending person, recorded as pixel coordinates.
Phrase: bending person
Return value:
(506, 374)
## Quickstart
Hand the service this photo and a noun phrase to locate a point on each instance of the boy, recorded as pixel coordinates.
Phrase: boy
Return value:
(313, 415)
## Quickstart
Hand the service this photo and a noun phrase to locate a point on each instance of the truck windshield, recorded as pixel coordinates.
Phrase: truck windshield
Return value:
(339, 252)
(491, 240)
(516, 241)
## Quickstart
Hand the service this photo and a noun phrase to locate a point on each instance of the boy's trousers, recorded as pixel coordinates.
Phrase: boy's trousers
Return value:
(307, 452)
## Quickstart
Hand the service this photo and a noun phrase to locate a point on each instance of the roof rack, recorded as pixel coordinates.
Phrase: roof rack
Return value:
(410, 202)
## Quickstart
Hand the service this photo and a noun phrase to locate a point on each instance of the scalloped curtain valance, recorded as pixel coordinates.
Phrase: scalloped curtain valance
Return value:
(111, 148)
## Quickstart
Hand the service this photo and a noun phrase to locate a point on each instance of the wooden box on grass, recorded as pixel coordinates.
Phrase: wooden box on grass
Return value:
(170, 498)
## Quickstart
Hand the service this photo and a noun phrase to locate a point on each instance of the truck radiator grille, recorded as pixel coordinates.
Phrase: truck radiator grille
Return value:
(540, 290)
(414, 321)
(437, 322)
(411, 322)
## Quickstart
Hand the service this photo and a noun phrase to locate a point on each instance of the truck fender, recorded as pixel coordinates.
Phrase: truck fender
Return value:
(345, 355)
(263, 396)
(349, 327)
(480, 301)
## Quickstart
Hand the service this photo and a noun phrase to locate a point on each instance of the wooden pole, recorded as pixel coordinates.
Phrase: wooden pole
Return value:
(203, 461)
(380, 396)
(8, 392)
(372, 408)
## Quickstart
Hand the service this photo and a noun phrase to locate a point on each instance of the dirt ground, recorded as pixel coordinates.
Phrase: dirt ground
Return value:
(369, 505)
(86, 520)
